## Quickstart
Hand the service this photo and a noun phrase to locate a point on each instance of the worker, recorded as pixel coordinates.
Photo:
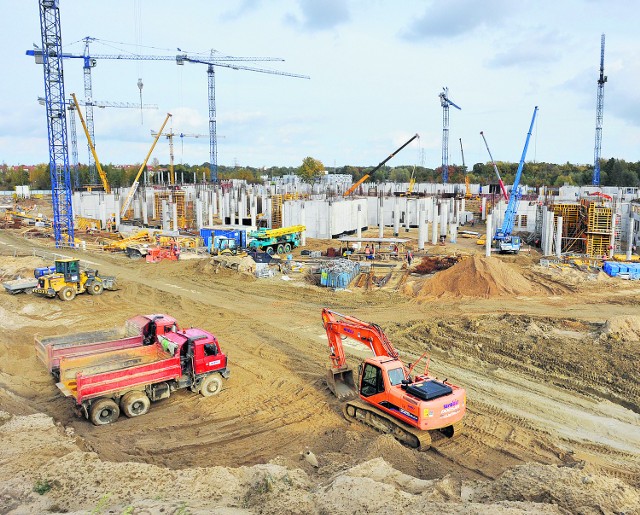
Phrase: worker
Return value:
(409, 257)
(367, 251)
(395, 250)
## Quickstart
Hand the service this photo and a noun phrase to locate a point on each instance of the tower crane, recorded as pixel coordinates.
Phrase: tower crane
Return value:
(214, 60)
(495, 168)
(445, 102)
(51, 60)
(599, 111)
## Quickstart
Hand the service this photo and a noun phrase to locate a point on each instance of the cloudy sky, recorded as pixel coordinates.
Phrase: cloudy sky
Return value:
(376, 68)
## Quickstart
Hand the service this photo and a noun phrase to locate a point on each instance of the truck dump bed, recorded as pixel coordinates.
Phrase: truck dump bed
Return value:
(90, 376)
(50, 349)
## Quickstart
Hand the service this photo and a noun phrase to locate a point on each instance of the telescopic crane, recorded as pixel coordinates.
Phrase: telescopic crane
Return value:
(505, 241)
(366, 176)
(495, 168)
(134, 186)
(391, 400)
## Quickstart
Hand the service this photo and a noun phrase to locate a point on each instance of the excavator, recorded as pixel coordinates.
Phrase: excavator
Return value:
(391, 399)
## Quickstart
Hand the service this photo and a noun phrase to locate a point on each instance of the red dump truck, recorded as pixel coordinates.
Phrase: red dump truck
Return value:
(127, 380)
(137, 331)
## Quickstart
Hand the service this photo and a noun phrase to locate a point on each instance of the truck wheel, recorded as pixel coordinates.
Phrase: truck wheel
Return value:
(67, 293)
(287, 247)
(281, 249)
(104, 411)
(211, 385)
(95, 289)
(270, 251)
(134, 404)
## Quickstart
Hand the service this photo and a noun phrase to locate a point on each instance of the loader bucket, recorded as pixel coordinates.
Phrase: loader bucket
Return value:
(340, 382)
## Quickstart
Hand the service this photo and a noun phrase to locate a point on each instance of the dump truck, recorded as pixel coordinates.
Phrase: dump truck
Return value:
(105, 384)
(137, 331)
(276, 241)
(68, 280)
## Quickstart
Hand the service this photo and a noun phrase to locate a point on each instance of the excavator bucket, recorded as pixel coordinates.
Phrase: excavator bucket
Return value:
(340, 382)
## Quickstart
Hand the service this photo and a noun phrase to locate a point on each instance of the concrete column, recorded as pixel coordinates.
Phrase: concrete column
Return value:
(434, 228)
(613, 231)
(303, 221)
(453, 232)
(267, 210)
(396, 217)
(165, 215)
(444, 212)
(242, 209)
(329, 219)
(422, 228)
(145, 214)
(407, 216)
(103, 215)
(359, 226)
(630, 236)
(253, 210)
(198, 213)
(381, 217)
(210, 220)
(559, 238)
(487, 243)
(175, 216)
(136, 209)
(484, 208)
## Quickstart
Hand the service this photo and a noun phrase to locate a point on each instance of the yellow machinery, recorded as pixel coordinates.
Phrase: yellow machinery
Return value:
(103, 176)
(68, 281)
(134, 186)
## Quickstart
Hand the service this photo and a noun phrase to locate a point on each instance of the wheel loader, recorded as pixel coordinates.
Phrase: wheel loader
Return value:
(68, 280)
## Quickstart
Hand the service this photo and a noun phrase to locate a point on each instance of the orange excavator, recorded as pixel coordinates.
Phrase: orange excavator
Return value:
(391, 400)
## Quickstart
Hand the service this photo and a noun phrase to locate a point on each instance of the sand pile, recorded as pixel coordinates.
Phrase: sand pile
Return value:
(624, 328)
(473, 277)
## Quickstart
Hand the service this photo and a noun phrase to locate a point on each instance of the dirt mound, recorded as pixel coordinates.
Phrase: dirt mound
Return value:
(624, 328)
(473, 277)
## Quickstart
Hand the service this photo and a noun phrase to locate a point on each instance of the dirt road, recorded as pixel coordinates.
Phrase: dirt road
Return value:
(548, 381)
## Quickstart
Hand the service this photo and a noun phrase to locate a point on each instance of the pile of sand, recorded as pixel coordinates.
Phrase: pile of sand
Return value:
(624, 328)
(473, 277)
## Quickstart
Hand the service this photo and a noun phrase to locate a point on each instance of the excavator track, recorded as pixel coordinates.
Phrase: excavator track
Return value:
(410, 436)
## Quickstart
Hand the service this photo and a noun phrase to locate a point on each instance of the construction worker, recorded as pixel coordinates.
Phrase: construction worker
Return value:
(409, 257)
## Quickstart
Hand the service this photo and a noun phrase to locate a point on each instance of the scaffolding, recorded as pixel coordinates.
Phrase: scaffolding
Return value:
(587, 227)
(276, 211)
(176, 197)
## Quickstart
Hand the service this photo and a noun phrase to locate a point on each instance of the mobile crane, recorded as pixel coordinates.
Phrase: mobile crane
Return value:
(504, 240)
(391, 400)
(366, 176)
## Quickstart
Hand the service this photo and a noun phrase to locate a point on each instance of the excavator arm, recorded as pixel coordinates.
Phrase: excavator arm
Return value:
(337, 327)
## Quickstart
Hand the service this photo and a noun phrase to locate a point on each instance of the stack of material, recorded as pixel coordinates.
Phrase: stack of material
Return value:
(339, 273)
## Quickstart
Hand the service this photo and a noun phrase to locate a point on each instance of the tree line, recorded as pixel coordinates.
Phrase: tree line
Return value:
(613, 172)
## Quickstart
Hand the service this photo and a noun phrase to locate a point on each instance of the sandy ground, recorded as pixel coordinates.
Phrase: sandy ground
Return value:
(549, 358)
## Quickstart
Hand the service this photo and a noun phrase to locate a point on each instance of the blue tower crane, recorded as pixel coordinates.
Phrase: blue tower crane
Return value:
(61, 193)
(599, 111)
(445, 102)
(224, 61)
(503, 237)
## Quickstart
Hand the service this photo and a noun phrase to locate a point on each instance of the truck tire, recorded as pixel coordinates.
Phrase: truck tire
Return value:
(287, 247)
(95, 288)
(67, 293)
(281, 249)
(211, 385)
(134, 404)
(270, 251)
(104, 411)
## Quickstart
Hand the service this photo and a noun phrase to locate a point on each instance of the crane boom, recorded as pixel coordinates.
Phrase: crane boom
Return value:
(495, 168)
(103, 176)
(366, 176)
(134, 186)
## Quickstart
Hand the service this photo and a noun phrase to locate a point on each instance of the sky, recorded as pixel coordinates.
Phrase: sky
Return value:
(376, 68)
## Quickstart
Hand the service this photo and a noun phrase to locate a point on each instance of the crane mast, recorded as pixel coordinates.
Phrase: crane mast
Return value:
(61, 193)
(445, 103)
(599, 112)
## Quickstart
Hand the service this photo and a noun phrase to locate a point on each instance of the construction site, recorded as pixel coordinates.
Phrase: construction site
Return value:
(312, 347)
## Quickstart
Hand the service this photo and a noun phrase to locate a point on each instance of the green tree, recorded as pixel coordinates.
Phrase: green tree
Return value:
(310, 169)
